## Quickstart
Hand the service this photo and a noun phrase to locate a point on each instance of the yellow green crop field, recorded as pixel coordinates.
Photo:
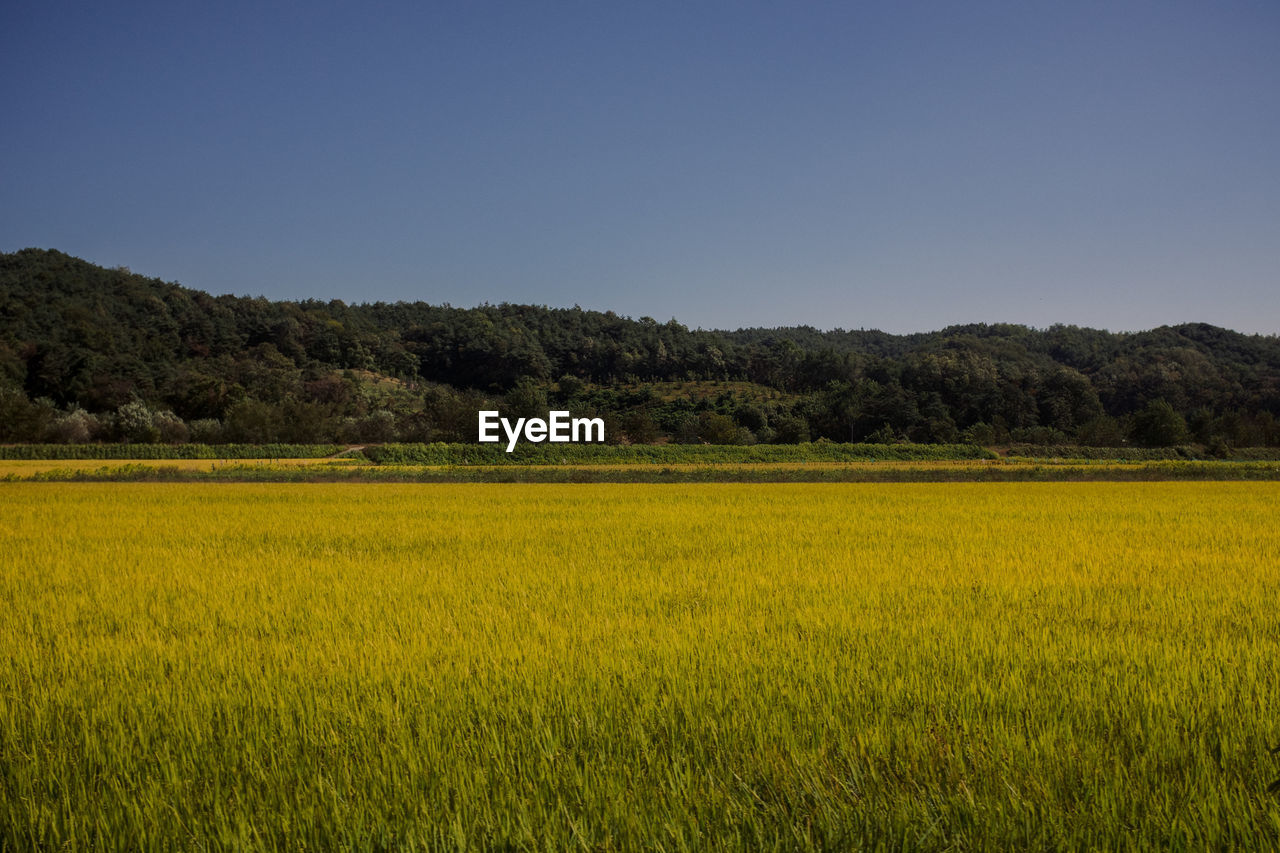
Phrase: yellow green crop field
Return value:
(637, 666)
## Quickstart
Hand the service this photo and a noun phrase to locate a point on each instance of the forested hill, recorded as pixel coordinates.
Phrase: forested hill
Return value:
(88, 353)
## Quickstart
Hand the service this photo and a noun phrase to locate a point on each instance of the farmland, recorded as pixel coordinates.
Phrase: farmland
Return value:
(613, 666)
(358, 470)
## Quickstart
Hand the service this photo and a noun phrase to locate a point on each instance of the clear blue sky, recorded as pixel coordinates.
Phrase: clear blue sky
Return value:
(892, 165)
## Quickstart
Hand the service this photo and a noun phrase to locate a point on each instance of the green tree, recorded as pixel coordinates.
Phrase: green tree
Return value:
(1158, 425)
(135, 423)
(1102, 431)
(252, 422)
(639, 427)
(789, 429)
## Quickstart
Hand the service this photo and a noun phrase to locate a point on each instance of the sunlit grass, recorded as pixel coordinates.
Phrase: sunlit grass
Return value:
(622, 666)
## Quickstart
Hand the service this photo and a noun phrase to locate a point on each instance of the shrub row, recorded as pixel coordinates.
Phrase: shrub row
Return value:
(604, 454)
(1026, 472)
(168, 451)
(1140, 454)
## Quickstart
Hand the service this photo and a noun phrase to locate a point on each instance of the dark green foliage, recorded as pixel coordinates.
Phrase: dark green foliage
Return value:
(91, 354)
(1158, 425)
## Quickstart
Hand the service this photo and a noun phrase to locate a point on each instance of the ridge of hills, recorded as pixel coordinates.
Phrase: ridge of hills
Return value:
(89, 353)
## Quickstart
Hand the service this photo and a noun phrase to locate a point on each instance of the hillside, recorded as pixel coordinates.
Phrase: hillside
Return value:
(88, 353)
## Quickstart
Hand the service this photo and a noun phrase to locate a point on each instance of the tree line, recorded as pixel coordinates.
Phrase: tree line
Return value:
(95, 354)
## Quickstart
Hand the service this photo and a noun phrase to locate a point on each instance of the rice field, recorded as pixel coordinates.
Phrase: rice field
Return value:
(670, 667)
